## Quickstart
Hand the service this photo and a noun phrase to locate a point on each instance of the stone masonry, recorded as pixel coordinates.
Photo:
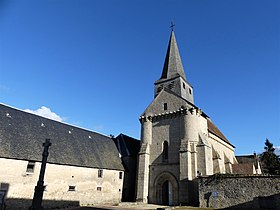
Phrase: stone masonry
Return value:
(178, 140)
(239, 192)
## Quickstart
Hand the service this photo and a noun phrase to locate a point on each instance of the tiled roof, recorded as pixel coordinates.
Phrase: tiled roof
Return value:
(22, 135)
(248, 159)
(214, 130)
(244, 168)
(245, 159)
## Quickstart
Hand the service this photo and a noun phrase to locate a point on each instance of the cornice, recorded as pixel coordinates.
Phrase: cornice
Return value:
(171, 114)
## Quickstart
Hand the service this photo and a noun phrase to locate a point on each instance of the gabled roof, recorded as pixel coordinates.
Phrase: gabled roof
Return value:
(244, 168)
(172, 64)
(22, 135)
(212, 128)
(127, 145)
(246, 159)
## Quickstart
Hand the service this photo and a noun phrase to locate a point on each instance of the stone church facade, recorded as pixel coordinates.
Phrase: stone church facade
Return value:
(179, 142)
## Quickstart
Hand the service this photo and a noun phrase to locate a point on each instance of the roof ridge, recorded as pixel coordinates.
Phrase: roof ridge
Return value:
(64, 123)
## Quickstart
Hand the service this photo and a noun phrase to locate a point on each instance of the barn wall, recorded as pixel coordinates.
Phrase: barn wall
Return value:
(89, 188)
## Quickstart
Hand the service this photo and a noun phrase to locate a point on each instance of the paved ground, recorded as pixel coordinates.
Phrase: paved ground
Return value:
(130, 206)
(135, 206)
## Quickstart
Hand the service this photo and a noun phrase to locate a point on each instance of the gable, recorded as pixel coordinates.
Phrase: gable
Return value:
(22, 135)
(173, 103)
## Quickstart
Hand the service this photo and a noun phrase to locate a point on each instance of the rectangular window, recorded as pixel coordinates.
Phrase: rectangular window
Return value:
(100, 173)
(99, 188)
(120, 175)
(30, 167)
(72, 188)
(165, 106)
(165, 151)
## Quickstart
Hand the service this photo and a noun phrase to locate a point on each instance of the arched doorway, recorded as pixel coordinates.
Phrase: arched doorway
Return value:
(167, 193)
(166, 189)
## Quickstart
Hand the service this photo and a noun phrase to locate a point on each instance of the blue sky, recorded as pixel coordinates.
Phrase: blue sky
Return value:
(93, 63)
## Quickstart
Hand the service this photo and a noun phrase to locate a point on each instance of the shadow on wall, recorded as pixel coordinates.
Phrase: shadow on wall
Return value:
(17, 203)
(260, 203)
(4, 188)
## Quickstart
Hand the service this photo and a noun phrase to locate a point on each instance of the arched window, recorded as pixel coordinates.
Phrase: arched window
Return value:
(165, 151)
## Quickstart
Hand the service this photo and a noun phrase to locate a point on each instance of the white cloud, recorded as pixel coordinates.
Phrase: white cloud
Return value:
(277, 150)
(98, 128)
(45, 112)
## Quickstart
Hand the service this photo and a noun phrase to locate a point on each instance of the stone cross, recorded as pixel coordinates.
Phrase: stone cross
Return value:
(39, 189)
(172, 26)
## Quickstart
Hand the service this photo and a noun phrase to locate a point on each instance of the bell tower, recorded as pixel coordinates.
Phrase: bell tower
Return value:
(169, 136)
(173, 76)
(178, 139)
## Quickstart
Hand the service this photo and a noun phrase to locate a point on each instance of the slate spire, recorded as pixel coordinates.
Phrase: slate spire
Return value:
(173, 76)
(172, 65)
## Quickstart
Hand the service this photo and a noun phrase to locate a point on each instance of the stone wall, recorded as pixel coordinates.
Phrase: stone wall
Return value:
(239, 192)
(224, 150)
(88, 187)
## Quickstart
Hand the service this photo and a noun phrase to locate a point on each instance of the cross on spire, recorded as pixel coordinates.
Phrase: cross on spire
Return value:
(172, 26)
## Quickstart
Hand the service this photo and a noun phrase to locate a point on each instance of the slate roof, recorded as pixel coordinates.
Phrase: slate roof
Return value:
(22, 135)
(172, 64)
(127, 146)
(173, 67)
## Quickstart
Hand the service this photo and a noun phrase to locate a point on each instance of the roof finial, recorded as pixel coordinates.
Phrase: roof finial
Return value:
(172, 26)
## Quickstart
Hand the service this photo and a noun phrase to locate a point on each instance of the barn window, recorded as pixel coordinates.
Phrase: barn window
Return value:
(72, 188)
(120, 175)
(165, 151)
(30, 167)
(100, 173)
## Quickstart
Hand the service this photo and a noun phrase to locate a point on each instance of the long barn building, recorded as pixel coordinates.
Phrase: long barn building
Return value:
(83, 167)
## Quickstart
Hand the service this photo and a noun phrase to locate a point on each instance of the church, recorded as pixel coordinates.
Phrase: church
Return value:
(179, 144)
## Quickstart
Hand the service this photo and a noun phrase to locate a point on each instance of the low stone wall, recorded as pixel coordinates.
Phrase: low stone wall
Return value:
(239, 192)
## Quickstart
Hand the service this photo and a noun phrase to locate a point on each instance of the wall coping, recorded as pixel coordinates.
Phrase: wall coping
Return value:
(230, 176)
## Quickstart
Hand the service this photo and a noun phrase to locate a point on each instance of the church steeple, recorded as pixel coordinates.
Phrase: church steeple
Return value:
(172, 64)
(173, 75)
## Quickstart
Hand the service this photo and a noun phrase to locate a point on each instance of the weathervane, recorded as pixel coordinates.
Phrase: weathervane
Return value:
(172, 26)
